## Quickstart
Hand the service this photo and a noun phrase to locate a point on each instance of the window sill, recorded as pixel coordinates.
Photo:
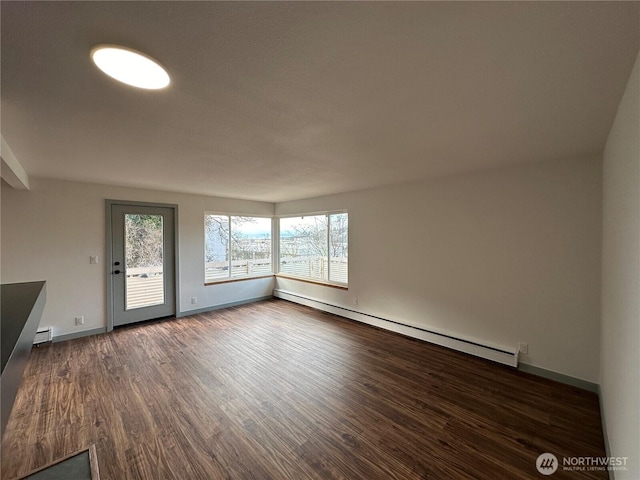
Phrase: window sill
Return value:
(237, 279)
(315, 282)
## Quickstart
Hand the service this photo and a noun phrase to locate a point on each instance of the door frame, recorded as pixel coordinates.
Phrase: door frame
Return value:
(109, 252)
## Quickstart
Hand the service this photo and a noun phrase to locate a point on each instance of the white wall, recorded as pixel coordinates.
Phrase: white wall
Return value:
(49, 232)
(620, 363)
(504, 256)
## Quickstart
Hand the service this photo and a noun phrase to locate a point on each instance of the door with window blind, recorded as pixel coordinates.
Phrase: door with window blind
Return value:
(142, 263)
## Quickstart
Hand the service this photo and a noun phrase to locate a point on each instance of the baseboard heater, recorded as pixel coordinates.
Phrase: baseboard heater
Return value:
(43, 335)
(495, 353)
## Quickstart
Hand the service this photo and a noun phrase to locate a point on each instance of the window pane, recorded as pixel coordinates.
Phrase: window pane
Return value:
(144, 246)
(250, 246)
(339, 248)
(303, 246)
(216, 246)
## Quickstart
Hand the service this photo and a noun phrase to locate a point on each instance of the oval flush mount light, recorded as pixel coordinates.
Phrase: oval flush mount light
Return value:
(131, 67)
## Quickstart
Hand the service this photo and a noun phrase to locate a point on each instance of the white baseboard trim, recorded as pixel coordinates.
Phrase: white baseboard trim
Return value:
(497, 354)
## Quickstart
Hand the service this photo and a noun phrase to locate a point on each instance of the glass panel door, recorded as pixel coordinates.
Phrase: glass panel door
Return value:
(142, 284)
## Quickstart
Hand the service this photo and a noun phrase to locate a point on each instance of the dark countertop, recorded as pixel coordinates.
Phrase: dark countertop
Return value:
(18, 300)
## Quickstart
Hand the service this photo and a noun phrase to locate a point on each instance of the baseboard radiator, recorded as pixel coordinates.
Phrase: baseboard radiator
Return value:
(497, 354)
(43, 335)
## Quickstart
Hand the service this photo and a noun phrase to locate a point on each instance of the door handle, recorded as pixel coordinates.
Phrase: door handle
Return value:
(116, 272)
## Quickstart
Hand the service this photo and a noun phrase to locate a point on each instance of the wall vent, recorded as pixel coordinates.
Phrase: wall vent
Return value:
(43, 335)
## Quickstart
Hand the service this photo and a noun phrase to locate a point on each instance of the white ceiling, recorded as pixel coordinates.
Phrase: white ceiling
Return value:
(276, 100)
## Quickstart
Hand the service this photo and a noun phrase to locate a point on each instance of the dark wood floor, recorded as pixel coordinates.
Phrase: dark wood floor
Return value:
(274, 390)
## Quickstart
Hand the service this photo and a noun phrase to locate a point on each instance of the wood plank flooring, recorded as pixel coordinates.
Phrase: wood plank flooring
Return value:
(275, 390)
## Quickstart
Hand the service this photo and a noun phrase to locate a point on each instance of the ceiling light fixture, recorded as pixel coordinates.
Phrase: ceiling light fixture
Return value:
(131, 67)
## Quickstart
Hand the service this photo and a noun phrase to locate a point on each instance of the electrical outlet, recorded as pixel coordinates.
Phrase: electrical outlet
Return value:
(80, 320)
(355, 300)
(523, 348)
(194, 300)
(93, 259)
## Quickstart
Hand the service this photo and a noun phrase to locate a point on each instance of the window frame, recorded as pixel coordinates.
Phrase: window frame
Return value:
(302, 278)
(238, 278)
